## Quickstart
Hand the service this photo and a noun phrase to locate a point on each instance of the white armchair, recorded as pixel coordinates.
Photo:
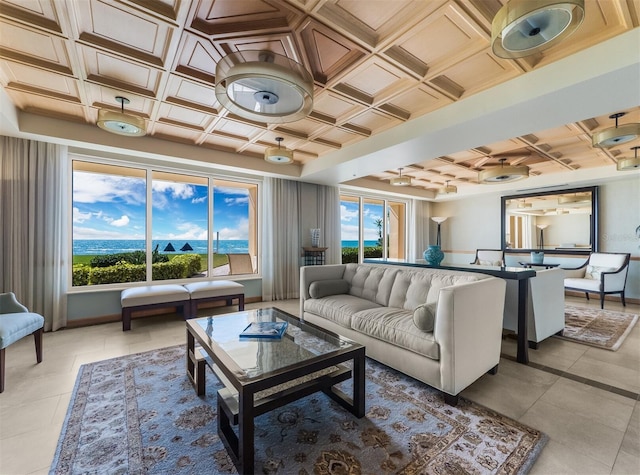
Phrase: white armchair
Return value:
(489, 257)
(604, 273)
(545, 306)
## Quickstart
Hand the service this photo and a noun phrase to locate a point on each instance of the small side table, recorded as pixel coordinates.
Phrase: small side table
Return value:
(529, 265)
(314, 256)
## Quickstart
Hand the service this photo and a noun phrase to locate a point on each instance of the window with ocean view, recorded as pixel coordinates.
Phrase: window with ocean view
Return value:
(367, 231)
(197, 225)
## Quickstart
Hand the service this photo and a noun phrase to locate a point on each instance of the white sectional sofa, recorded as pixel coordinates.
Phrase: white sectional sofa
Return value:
(441, 327)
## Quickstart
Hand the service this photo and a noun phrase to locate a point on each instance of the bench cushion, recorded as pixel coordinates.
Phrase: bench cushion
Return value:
(14, 326)
(214, 288)
(153, 294)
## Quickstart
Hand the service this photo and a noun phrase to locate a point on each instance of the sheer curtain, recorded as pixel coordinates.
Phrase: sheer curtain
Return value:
(34, 243)
(280, 239)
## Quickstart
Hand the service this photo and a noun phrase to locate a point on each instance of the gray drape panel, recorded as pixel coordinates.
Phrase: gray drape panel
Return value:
(329, 222)
(281, 239)
(34, 243)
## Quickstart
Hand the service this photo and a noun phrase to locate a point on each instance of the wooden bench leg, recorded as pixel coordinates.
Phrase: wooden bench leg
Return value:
(450, 399)
(37, 338)
(126, 319)
(2, 370)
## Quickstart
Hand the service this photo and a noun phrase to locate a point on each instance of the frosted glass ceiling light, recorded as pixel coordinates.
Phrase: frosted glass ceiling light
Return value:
(525, 27)
(631, 163)
(263, 86)
(616, 135)
(400, 180)
(448, 189)
(121, 123)
(279, 155)
(503, 173)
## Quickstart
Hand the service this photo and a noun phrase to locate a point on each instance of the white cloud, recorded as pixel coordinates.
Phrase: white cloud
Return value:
(240, 232)
(236, 201)
(231, 190)
(188, 231)
(97, 188)
(79, 216)
(348, 215)
(178, 190)
(202, 199)
(91, 233)
(123, 221)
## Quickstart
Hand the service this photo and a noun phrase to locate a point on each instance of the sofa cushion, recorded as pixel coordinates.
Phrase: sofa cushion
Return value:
(594, 272)
(370, 282)
(395, 326)
(424, 316)
(338, 308)
(323, 288)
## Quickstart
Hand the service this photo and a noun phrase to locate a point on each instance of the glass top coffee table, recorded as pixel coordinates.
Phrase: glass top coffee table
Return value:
(262, 374)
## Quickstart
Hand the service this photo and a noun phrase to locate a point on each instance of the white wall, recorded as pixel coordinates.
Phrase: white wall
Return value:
(475, 223)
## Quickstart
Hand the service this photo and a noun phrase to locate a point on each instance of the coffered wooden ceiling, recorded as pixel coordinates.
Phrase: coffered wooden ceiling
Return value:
(376, 65)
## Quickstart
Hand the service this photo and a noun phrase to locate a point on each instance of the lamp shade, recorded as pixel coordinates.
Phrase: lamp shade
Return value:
(400, 180)
(629, 164)
(264, 86)
(448, 189)
(616, 135)
(525, 27)
(279, 155)
(121, 123)
(503, 173)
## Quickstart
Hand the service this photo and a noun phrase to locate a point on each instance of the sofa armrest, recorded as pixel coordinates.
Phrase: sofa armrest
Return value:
(9, 304)
(614, 280)
(468, 329)
(577, 273)
(310, 274)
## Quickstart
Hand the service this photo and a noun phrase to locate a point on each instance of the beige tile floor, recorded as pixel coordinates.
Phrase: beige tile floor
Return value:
(591, 431)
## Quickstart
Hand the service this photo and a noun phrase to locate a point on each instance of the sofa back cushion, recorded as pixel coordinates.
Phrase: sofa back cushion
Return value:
(412, 288)
(603, 259)
(370, 282)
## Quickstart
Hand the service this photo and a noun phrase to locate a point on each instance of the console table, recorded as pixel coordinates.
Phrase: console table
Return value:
(522, 275)
(314, 256)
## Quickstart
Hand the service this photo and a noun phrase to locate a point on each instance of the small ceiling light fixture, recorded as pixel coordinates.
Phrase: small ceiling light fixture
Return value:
(279, 155)
(574, 198)
(264, 86)
(121, 123)
(448, 189)
(523, 204)
(503, 173)
(616, 135)
(522, 27)
(400, 180)
(631, 163)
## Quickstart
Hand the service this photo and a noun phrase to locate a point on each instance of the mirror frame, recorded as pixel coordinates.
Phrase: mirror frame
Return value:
(593, 227)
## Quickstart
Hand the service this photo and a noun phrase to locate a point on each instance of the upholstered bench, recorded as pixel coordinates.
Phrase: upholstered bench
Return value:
(153, 296)
(214, 290)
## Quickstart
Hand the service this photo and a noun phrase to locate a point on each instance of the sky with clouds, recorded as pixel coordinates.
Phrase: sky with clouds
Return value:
(114, 207)
(349, 217)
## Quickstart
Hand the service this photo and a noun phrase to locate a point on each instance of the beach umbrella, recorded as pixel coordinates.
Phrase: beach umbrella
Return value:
(169, 248)
(186, 247)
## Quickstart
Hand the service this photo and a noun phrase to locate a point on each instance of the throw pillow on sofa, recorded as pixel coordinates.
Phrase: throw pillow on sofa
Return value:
(490, 263)
(323, 288)
(424, 316)
(593, 272)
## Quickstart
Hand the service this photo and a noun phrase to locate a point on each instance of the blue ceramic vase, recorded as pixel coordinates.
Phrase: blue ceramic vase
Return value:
(433, 255)
(537, 257)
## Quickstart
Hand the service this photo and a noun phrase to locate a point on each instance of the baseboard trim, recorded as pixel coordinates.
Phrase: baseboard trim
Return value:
(86, 322)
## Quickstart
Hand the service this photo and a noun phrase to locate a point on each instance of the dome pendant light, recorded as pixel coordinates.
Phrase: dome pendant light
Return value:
(616, 135)
(121, 123)
(400, 180)
(503, 173)
(629, 164)
(263, 86)
(278, 155)
(525, 27)
(448, 189)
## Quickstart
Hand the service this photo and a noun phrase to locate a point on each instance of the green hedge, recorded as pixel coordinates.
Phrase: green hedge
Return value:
(350, 254)
(180, 267)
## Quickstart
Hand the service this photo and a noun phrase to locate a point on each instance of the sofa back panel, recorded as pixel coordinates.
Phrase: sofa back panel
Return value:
(415, 287)
(372, 283)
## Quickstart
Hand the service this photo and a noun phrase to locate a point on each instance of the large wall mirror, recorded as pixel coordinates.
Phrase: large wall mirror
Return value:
(556, 222)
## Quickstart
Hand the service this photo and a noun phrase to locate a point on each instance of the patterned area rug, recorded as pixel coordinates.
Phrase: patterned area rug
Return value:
(600, 328)
(139, 414)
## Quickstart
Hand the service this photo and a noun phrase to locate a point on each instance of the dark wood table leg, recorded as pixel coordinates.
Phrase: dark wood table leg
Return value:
(245, 433)
(191, 370)
(358, 384)
(523, 348)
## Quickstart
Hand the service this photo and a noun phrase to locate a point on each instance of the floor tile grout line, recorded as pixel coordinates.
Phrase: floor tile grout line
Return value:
(580, 379)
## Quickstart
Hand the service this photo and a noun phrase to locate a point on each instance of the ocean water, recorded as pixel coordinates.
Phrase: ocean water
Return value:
(83, 247)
